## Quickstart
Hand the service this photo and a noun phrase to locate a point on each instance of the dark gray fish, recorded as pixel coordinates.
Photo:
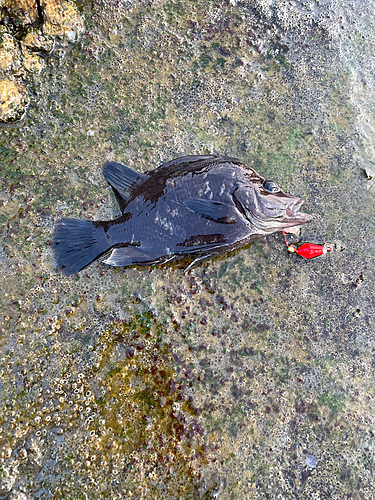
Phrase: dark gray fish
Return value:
(195, 205)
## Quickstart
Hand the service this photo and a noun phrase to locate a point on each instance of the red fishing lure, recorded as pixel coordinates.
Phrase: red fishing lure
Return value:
(308, 250)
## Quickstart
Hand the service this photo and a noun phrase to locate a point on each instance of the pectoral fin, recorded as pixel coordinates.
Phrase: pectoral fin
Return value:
(122, 179)
(212, 210)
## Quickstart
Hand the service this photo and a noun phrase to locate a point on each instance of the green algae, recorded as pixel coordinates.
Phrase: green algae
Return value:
(334, 401)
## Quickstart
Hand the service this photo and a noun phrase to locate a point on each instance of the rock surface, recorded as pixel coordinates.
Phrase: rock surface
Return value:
(10, 56)
(250, 377)
(21, 12)
(14, 100)
(61, 17)
(21, 55)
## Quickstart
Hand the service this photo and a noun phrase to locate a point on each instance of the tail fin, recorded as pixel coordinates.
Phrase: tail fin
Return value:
(76, 243)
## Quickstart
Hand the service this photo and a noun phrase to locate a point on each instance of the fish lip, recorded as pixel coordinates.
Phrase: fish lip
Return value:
(293, 207)
(301, 218)
(293, 216)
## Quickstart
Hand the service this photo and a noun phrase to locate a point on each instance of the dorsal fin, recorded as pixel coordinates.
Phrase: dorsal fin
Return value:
(189, 159)
(121, 178)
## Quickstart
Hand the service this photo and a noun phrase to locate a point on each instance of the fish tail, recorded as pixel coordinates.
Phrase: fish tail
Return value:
(76, 243)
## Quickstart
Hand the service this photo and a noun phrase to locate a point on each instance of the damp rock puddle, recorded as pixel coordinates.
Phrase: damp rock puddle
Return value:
(250, 376)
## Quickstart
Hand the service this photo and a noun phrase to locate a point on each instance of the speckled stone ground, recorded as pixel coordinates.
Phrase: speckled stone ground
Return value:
(251, 376)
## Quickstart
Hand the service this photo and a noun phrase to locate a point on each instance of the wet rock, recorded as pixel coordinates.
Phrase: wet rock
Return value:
(61, 17)
(18, 59)
(31, 62)
(36, 41)
(20, 55)
(8, 479)
(13, 100)
(21, 12)
(13, 94)
(10, 55)
(18, 495)
(113, 373)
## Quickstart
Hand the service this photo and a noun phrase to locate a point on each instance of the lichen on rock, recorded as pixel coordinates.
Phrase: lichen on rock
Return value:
(37, 41)
(61, 17)
(10, 55)
(13, 100)
(22, 12)
(32, 62)
(20, 48)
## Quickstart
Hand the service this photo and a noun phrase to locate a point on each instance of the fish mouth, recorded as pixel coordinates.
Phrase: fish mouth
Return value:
(293, 216)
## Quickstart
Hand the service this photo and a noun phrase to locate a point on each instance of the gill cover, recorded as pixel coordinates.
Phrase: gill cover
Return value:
(268, 212)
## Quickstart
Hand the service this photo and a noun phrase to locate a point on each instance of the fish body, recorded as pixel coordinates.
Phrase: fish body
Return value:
(195, 205)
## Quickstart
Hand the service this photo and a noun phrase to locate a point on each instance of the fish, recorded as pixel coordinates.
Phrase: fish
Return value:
(200, 206)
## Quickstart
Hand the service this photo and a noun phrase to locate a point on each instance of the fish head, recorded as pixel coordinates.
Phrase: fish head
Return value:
(267, 207)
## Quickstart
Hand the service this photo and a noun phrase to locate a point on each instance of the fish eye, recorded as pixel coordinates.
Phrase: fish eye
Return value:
(270, 186)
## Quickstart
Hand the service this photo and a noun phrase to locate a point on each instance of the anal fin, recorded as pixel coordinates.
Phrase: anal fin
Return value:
(200, 259)
(126, 256)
